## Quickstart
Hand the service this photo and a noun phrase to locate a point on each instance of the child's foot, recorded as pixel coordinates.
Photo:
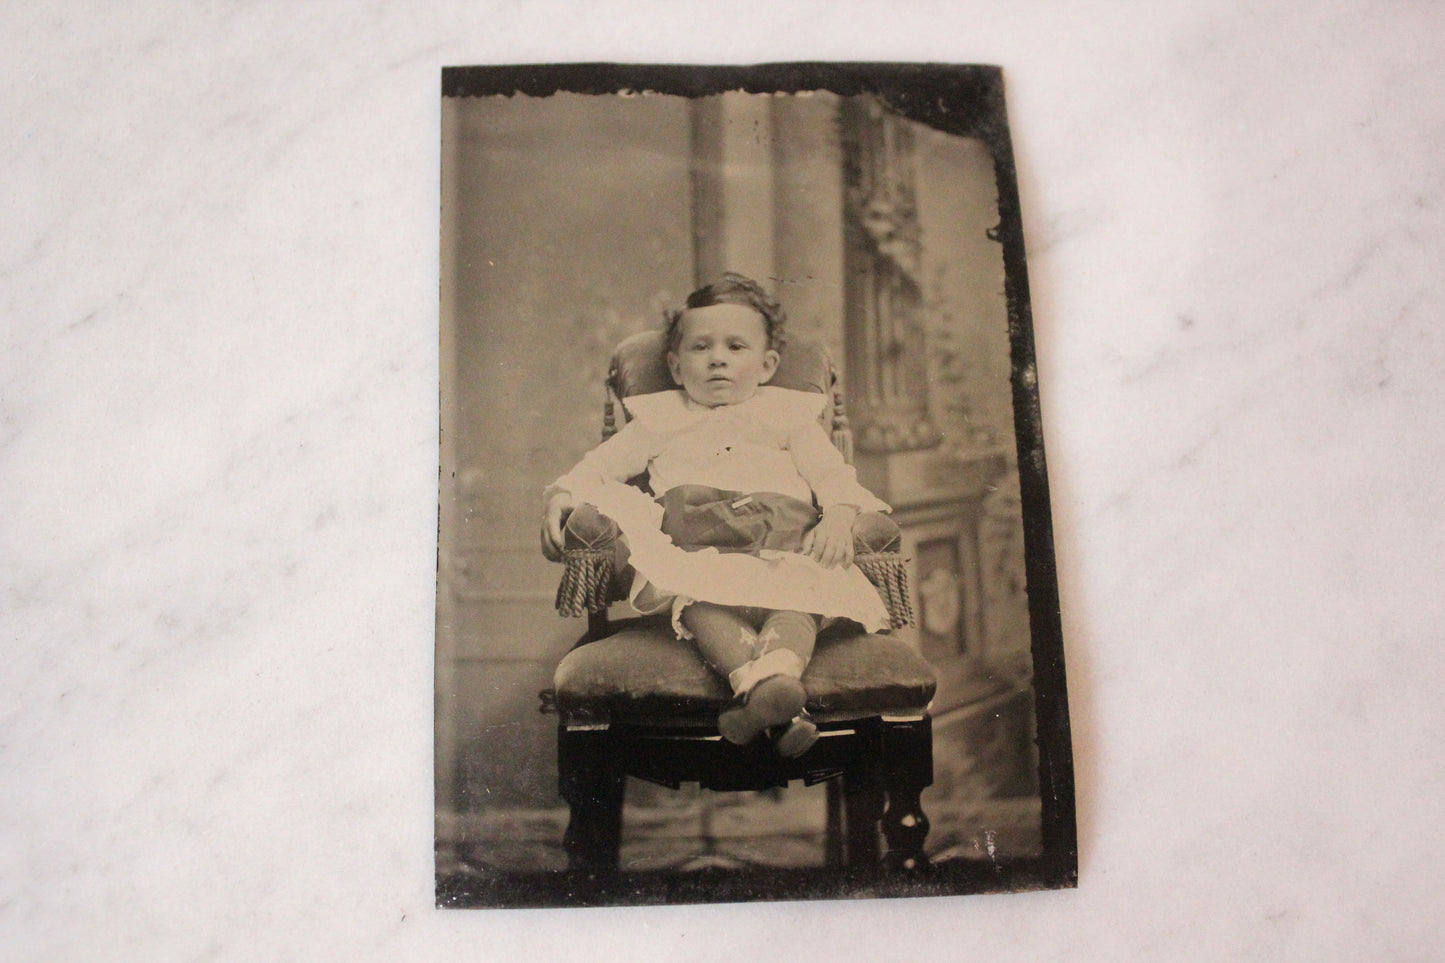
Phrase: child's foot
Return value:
(772, 702)
(797, 738)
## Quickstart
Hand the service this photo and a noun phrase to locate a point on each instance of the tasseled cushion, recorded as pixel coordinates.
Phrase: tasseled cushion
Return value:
(586, 584)
(888, 571)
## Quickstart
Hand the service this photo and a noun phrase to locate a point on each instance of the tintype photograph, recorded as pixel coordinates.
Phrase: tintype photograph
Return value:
(745, 585)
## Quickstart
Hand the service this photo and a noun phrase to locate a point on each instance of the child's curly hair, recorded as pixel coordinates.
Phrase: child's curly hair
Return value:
(730, 289)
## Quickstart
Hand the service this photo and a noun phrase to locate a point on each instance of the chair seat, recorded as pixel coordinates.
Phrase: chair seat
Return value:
(643, 670)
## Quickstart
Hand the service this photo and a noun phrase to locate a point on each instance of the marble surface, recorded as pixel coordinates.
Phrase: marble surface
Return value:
(218, 270)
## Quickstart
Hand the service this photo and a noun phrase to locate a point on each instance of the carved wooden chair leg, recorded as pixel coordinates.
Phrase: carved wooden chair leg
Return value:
(908, 770)
(863, 808)
(906, 828)
(592, 784)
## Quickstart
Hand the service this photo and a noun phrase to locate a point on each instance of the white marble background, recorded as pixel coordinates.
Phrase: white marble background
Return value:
(218, 271)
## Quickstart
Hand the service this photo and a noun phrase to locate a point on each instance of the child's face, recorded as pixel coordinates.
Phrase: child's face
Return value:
(722, 355)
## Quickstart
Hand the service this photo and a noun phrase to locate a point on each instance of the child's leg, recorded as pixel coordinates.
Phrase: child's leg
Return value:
(766, 683)
(731, 641)
(763, 668)
(793, 633)
(725, 636)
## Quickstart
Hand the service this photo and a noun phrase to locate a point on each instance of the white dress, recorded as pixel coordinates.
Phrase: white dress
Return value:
(770, 443)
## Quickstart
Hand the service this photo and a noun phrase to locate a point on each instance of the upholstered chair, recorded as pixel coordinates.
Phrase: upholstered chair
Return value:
(633, 700)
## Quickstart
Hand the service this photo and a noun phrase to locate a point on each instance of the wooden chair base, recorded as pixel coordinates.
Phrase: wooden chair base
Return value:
(876, 768)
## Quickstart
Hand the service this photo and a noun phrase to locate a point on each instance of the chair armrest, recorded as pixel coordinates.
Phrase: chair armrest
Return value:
(877, 541)
(875, 532)
(589, 563)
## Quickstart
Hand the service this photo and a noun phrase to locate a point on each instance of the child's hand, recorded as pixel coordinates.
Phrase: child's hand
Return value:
(830, 543)
(554, 514)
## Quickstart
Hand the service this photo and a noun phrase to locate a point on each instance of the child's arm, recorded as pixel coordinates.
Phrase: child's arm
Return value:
(833, 480)
(619, 458)
(835, 485)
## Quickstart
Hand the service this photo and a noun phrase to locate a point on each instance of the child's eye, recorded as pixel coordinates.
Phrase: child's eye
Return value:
(737, 346)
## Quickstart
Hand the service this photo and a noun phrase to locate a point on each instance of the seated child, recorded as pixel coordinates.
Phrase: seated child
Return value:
(734, 544)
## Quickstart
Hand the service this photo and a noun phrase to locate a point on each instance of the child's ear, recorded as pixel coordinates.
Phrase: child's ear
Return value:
(674, 368)
(770, 365)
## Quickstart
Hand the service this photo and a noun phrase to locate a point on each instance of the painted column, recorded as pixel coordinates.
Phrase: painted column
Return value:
(732, 187)
(808, 216)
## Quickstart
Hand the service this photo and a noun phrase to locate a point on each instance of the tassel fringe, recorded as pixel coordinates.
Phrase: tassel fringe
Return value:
(586, 582)
(889, 574)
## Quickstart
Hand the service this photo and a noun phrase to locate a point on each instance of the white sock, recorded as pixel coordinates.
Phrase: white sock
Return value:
(776, 662)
